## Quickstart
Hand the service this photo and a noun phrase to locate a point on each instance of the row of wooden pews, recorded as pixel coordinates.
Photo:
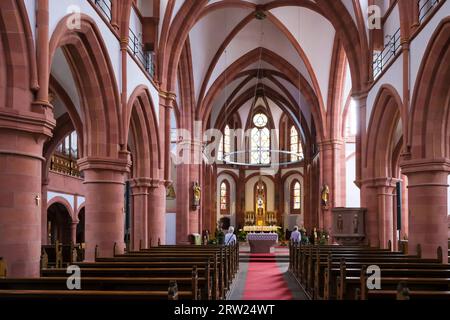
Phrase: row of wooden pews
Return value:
(164, 272)
(342, 273)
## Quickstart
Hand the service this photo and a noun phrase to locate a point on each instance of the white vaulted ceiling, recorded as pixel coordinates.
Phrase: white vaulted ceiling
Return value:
(297, 31)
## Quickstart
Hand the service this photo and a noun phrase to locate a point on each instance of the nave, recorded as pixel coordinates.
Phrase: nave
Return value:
(225, 149)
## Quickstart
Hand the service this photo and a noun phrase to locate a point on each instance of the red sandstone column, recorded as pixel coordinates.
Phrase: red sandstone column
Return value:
(371, 203)
(330, 156)
(73, 232)
(361, 103)
(157, 213)
(183, 203)
(427, 201)
(139, 193)
(44, 231)
(20, 201)
(104, 181)
(385, 212)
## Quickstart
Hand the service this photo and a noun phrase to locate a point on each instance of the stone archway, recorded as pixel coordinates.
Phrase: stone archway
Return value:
(105, 162)
(427, 164)
(59, 223)
(379, 179)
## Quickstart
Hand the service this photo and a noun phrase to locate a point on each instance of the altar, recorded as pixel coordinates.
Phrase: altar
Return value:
(261, 242)
(255, 229)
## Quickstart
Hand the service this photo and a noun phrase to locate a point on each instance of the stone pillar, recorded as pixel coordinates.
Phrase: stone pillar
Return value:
(73, 232)
(370, 197)
(139, 220)
(157, 213)
(44, 231)
(385, 189)
(330, 155)
(20, 200)
(361, 141)
(183, 202)
(427, 202)
(379, 201)
(104, 183)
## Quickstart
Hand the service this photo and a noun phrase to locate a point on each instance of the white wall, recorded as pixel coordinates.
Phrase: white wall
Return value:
(394, 77)
(171, 228)
(353, 196)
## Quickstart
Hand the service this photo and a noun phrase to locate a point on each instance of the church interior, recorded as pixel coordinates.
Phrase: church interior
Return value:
(186, 149)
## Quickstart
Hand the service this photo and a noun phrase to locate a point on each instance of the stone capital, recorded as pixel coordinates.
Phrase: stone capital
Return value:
(166, 99)
(425, 165)
(380, 182)
(26, 121)
(360, 95)
(104, 163)
(330, 144)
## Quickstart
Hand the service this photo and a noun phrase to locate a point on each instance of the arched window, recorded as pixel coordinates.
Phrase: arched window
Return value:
(296, 197)
(225, 145)
(260, 140)
(69, 146)
(225, 197)
(295, 146)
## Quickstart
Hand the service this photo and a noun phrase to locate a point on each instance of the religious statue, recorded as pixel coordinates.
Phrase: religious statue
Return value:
(355, 224)
(196, 194)
(340, 223)
(170, 192)
(325, 195)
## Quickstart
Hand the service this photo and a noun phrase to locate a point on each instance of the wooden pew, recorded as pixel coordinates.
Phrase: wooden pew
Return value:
(226, 264)
(89, 296)
(404, 293)
(156, 284)
(347, 285)
(60, 255)
(3, 271)
(164, 261)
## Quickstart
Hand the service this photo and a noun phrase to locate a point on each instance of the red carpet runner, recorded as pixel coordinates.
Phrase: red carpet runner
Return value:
(265, 280)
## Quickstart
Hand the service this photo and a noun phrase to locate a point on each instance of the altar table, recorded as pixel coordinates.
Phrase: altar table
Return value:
(261, 242)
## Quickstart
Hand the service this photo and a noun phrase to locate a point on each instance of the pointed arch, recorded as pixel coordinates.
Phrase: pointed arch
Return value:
(232, 72)
(17, 59)
(383, 122)
(89, 61)
(141, 125)
(430, 113)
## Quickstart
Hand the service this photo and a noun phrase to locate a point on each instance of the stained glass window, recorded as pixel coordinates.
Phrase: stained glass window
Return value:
(296, 196)
(225, 145)
(295, 145)
(224, 197)
(260, 140)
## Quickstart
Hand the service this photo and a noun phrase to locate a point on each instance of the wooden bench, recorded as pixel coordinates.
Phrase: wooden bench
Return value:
(404, 293)
(157, 284)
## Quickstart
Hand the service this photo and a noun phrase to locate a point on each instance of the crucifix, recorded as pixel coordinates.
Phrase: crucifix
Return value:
(38, 199)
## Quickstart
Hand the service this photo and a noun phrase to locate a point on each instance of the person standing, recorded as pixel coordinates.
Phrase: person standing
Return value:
(296, 236)
(230, 237)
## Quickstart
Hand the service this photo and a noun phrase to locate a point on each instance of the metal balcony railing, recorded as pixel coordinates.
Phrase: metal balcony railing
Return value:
(105, 7)
(382, 59)
(145, 58)
(426, 7)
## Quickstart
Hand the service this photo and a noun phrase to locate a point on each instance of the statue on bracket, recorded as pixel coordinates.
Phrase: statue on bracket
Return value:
(196, 190)
(170, 192)
(325, 196)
